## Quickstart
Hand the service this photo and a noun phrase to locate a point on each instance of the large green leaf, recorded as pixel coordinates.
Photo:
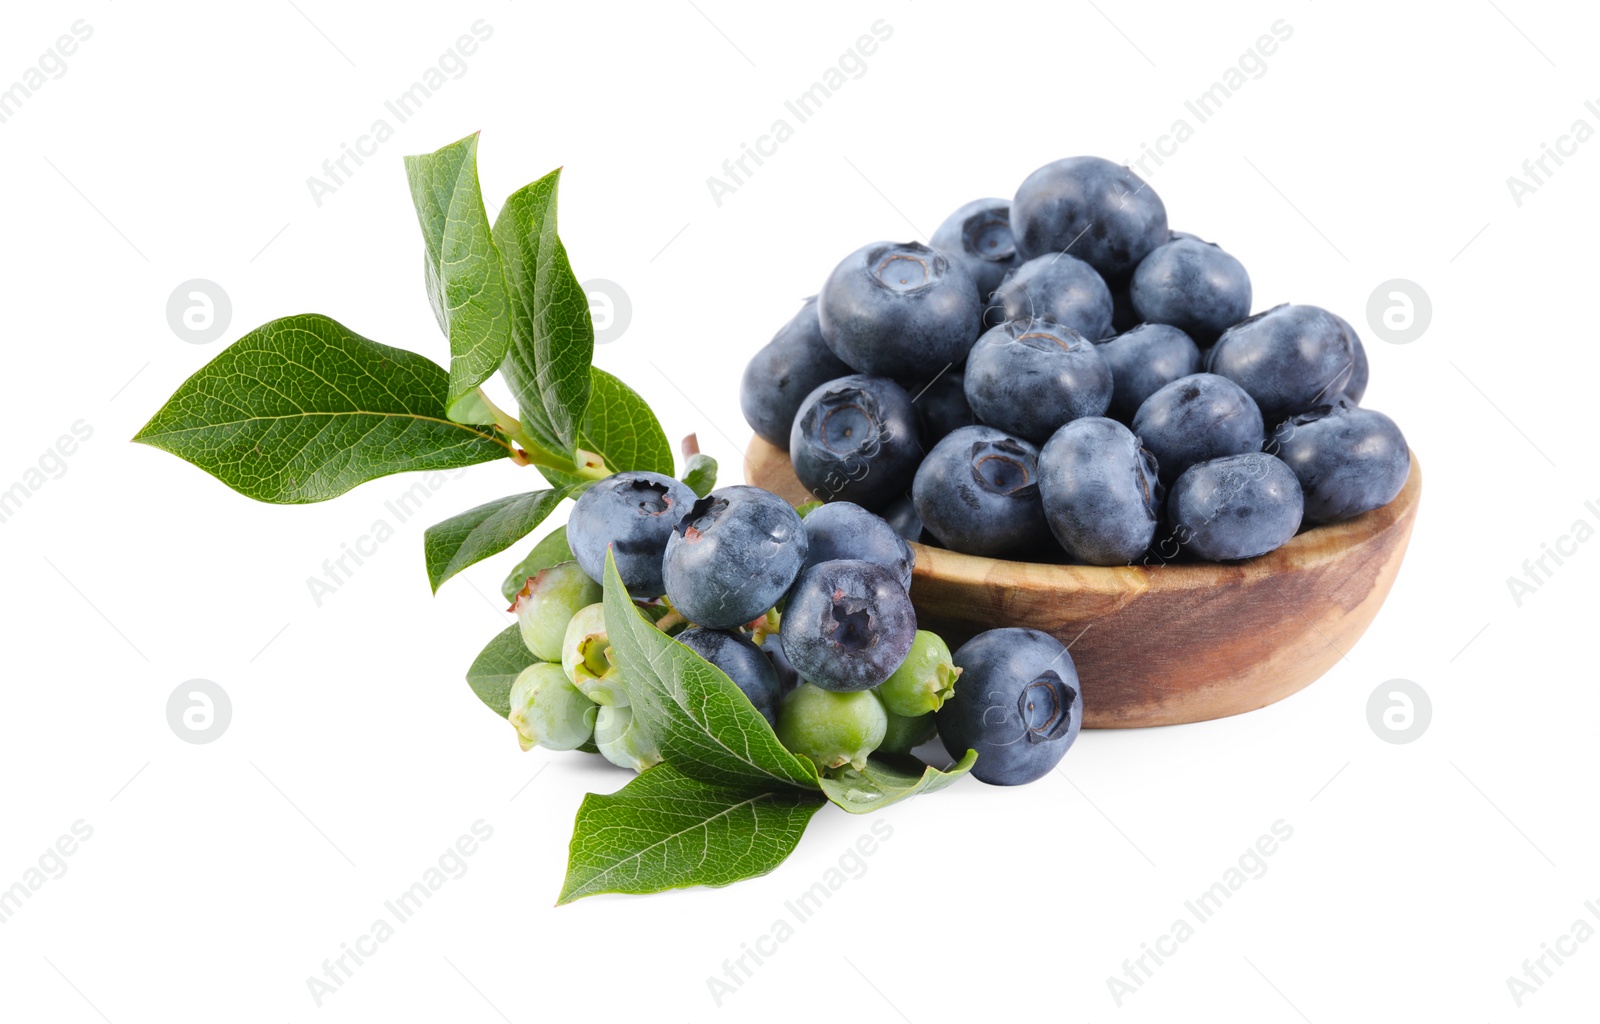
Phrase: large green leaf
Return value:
(702, 723)
(466, 283)
(666, 830)
(619, 425)
(552, 334)
(497, 666)
(303, 409)
(888, 779)
(486, 530)
(553, 550)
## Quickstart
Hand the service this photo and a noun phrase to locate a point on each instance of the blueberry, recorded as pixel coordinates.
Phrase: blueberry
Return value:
(788, 678)
(1290, 359)
(923, 682)
(1235, 507)
(1143, 361)
(856, 439)
(787, 369)
(1030, 376)
(848, 625)
(733, 556)
(978, 493)
(1100, 212)
(634, 513)
(1359, 369)
(1019, 705)
(899, 310)
(978, 236)
(1193, 285)
(901, 513)
(548, 711)
(941, 405)
(1348, 460)
(1055, 287)
(623, 740)
(742, 661)
(841, 529)
(547, 602)
(1100, 489)
(1195, 419)
(832, 729)
(903, 734)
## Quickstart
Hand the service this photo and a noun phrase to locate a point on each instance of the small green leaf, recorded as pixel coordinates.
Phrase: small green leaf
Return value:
(553, 550)
(466, 283)
(552, 335)
(487, 530)
(700, 473)
(497, 666)
(702, 722)
(888, 779)
(303, 409)
(665, 830)
(620, 426)
(808, 508)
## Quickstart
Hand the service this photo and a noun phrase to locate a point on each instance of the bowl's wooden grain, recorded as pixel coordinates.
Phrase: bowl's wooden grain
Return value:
(1176, 643)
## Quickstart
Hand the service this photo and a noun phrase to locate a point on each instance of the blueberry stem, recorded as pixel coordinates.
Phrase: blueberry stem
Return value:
(589, 466)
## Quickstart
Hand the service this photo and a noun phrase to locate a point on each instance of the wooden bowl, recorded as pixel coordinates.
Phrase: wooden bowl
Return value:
(1169, 644)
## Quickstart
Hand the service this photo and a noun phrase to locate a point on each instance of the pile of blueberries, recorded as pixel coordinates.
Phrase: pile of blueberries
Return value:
(1061, 378)
(809, 616)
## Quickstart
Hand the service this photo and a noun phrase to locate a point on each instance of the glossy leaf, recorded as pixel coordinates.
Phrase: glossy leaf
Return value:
(303, 409)
(888, 779)
(486, 530)
(497, 666)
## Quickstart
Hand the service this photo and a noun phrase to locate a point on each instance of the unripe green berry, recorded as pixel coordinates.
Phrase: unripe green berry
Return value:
(832, 728)
(547, 602)
(924, 681)
(586, 657)
(548, 711)
(903, 733)
(623, 740)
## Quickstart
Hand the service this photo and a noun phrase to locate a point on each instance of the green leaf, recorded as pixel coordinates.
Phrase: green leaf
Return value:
(888, 779)
(701, 721)
(303, 409)
(700, 473)
(808, 508)
(497, 666)
(552, 335)
(466, 283)
(665, 830)
(553, 550)
(620, 426)
(487, 530)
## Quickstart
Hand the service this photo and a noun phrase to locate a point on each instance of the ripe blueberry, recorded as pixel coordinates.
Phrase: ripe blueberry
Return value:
(847, 625)
(1019, 705)
(899, 309)
(1235, 507)
(855, 439)
(1100, 489)
(1348, 460)
(978, 236)
(1054, 287)
(787, 369)
(1030, 376)
(1289, 359)
(841, 529)
(634, 513)
(1143, 361)
(733, 556)
(1194, 286)
(1099, 211)
(978, 493)
(1195, 419)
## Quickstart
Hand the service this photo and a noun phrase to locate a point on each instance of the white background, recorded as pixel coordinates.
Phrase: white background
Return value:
(177, 145)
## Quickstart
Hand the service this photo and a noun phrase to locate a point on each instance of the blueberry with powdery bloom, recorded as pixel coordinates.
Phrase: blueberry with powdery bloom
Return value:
(1289, 359)
(1238, 507)
(787, 369)
(1193, 285)
(1056, 287)
(1143, 361)
(1101, 492)
(1018, 704)
(1348, 460)
(1195, 419)
(733, 556)
(856, 439)
(841, 529)
(633, 513)
(978, 236)
(899, 310)
(847, 625)
(1028, 377)
(1091, 208)
(978, 493)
